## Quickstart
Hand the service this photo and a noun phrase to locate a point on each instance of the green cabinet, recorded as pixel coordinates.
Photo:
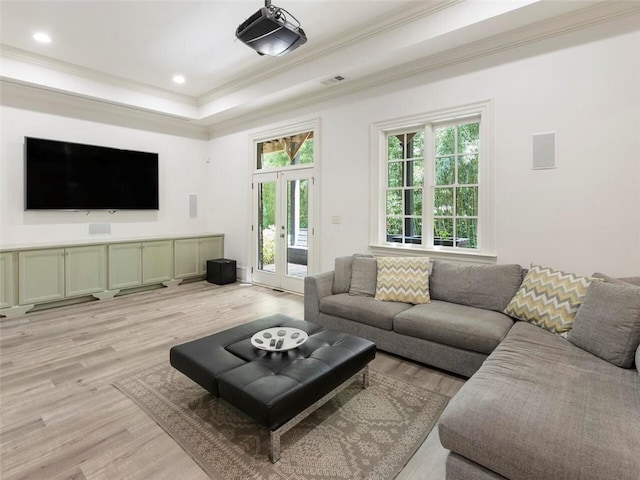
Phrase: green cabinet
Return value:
(30, 276)
(191, 255)
(140, 263)
(58, 273)
(157, 262)
(41, 274)
(7, 280)
(85, 270)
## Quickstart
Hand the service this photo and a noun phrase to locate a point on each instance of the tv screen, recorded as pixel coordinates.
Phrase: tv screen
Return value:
(73, 176)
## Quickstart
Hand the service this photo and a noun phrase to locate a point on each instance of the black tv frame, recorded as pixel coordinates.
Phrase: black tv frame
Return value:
(61, 175)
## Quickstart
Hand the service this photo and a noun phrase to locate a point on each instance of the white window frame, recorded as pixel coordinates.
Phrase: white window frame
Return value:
(485, 253)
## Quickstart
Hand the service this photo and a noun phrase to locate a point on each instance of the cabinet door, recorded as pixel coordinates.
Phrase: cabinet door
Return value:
(210, 249)
(125, 265)
(85, 270)
(7, 280)
(157, 262)
(186, 258)
(41, 275)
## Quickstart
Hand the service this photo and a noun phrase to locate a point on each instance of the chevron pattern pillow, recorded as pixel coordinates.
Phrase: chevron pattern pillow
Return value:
(549, 298)
(403, 279)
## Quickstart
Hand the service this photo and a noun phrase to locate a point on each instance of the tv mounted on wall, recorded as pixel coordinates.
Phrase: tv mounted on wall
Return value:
(72, 176)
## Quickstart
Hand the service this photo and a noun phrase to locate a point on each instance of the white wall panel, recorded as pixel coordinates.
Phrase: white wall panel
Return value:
(582, 216)
(182, 170)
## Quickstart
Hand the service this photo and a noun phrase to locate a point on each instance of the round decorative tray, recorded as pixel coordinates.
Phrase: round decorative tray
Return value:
(278, 339)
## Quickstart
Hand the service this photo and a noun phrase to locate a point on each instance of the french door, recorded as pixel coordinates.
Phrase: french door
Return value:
(283, 228)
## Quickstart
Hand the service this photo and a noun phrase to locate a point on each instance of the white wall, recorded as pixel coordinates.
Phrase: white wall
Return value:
(182, 170)
(582, 216)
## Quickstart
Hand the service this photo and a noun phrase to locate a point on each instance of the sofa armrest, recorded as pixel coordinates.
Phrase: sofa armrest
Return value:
(316, 287)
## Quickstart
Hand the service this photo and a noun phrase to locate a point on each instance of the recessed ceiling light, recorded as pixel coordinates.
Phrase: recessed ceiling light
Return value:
(179, 79)
(41, 37)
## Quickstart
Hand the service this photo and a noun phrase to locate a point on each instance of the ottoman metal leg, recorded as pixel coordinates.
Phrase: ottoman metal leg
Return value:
(276, 434)
(275, 446)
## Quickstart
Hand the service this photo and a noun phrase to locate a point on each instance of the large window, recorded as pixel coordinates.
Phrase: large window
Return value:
(434, 182)
(455, 190)
(405, 184)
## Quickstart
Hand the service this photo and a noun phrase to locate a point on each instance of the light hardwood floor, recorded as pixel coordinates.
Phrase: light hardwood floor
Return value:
(60, 417)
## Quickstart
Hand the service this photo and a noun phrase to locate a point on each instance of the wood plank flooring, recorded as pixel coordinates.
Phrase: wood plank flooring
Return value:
(60, 417)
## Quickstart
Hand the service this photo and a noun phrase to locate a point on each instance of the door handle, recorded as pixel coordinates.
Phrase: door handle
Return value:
(282, 235)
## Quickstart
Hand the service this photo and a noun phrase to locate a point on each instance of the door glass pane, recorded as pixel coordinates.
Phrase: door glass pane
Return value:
(297, 227)
(285, 151)
(267, 226)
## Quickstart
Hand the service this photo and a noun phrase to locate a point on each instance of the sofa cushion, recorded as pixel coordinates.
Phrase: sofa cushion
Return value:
(484, 286)
(342, 275)
(608, 278)
(549, 298)
(403, 279)
(608, 322)
(456, 325)
(362, 309)
(364, 272)
(542, 408)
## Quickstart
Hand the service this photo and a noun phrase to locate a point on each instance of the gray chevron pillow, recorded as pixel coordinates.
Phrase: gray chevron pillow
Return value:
(403, 279)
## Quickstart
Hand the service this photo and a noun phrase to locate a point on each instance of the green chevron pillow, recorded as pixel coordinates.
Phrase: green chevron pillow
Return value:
(549, 298)
(403, 279)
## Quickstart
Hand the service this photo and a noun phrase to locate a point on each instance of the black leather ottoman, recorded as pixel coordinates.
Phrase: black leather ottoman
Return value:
(276, 389)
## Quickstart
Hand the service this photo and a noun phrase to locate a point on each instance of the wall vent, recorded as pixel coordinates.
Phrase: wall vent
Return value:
(332, 80)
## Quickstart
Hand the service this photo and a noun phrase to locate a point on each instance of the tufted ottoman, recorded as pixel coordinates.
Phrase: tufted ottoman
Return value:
(277, 389)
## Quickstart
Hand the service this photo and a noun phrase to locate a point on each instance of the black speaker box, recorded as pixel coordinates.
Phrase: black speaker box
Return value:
(221, 271)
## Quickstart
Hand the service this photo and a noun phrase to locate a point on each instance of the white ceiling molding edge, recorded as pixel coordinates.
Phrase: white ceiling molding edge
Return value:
(310, 53)
(11, 53)
(63, 103)
(23, 94)
(498, 43)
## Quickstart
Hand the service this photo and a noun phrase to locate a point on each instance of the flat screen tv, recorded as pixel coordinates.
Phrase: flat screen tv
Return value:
(73, 176)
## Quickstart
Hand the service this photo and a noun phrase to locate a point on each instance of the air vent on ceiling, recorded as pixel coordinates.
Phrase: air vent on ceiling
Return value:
(332, 80)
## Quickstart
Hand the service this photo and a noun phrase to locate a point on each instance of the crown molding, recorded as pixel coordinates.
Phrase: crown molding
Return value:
(21, 95)
(594, 15)
(23, 56)
(300, 58)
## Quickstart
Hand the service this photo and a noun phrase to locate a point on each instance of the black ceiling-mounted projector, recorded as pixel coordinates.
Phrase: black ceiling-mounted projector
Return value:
(269, 32)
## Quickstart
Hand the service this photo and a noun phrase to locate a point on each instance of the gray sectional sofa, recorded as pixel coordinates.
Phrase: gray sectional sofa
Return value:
(461, 326)
(537, 406)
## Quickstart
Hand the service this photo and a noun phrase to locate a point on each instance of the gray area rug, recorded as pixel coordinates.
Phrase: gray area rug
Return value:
(359, 434)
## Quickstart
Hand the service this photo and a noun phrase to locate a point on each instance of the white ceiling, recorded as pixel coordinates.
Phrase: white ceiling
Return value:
(125, 53)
